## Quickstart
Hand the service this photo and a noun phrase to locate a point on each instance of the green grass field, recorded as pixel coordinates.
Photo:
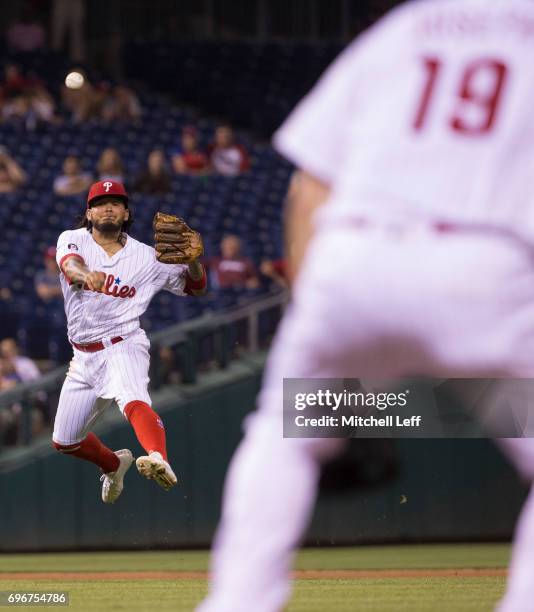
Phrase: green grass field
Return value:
(377, 594)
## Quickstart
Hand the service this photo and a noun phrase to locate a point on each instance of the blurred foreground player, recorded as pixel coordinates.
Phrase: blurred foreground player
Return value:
(415, 153)
(108, 279)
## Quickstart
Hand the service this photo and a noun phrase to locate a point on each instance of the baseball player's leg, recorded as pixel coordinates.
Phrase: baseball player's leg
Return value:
(372, 329)
(127, 372)
(272, 482)
(77, 411)
(269, 495)
(519, 590)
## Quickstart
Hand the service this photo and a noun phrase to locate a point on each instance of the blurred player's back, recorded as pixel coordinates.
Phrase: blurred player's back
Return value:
(422, 131)
(437, 116)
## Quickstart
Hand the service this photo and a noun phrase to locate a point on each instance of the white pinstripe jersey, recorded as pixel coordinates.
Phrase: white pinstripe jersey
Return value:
(133, 276)
(428, 114)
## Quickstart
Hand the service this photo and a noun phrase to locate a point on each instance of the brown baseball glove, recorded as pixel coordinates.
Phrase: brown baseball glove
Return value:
(175, 241)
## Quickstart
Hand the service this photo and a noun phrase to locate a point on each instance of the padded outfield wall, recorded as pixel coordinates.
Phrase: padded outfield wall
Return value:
(447, 489)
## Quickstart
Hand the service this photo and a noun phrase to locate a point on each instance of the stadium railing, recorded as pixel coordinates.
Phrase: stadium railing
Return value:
(210, 341)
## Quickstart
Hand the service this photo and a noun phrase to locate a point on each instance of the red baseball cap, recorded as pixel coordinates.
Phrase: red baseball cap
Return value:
(107, 188)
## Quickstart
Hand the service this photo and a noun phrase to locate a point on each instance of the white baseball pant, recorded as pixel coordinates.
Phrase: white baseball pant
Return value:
(379, 301)
(118, 373)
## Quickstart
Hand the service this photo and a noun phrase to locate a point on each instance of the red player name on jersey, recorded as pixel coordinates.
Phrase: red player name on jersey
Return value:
(121, 292)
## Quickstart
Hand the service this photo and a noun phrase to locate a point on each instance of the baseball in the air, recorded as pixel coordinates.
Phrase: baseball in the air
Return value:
(74, 80)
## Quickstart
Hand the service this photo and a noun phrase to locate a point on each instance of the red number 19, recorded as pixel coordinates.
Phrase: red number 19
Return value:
(470, 96)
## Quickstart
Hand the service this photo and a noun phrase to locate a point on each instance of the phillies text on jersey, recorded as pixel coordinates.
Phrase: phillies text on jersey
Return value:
(133, 276)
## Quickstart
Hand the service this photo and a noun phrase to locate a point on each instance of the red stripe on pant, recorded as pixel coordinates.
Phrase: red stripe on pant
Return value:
(93, 450)
(148, 427)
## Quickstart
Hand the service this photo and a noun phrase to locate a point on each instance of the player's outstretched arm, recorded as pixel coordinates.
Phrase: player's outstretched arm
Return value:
(78, 273)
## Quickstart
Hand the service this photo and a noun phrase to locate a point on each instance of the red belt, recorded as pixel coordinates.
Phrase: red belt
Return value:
(93, 347)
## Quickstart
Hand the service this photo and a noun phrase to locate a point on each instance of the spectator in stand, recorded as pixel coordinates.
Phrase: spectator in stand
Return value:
(35, 107)
(73, 180)
(15, 84)
(25, 98)
(155, 178)
(68, 17)
(15, 369)
(189, 159)
(276, 270)
(110, 166)
(9, 416)
(5, 294)
(8, 376)
(26, 34)
(47, 283)
(14, 90)
(12, 176)
(232, 270)
(42, 107)
(85, 102)
(9, 315)
(121, 104)
(226, 156)
(22, 369)
(15, 110)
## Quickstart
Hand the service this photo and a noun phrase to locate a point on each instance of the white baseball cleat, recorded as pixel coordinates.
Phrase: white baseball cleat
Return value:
(112, 483)
(154, 467)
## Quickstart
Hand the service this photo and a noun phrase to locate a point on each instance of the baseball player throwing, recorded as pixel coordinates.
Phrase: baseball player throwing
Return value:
(108, 279)
(412, 226)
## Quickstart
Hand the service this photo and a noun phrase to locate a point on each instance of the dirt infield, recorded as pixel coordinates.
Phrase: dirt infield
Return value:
(299, 575)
